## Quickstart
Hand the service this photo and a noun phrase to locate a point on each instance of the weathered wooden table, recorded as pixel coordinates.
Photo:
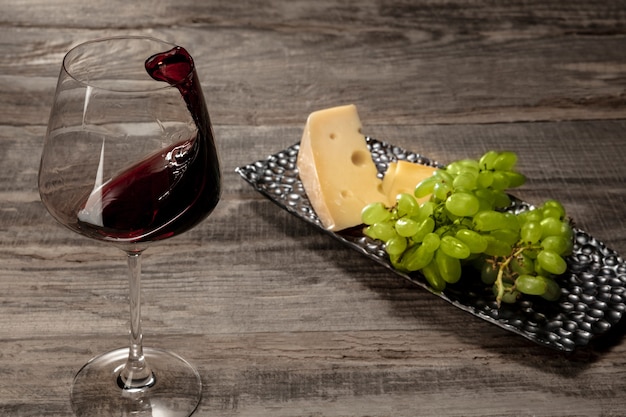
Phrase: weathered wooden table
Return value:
(279, 318)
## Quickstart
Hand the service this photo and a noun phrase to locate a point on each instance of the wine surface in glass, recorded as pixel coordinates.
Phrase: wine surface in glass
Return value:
(168, 192)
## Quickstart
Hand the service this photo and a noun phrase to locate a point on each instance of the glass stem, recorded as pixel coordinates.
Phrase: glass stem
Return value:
(136, 374)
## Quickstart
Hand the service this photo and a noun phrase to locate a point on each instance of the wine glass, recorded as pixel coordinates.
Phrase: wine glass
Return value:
(129, 159)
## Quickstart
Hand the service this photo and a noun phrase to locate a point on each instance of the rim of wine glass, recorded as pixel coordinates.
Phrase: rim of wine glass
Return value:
(158, 86)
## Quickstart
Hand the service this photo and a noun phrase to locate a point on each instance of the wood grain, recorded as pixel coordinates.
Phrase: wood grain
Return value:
(279, 318)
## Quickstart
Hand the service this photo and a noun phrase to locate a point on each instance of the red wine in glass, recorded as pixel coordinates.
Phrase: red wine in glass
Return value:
(170, 191)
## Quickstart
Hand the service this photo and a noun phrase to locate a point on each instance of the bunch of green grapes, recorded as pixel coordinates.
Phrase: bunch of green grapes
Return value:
(464, 223)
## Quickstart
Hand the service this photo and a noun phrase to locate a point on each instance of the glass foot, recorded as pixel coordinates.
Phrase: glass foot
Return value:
(174, 390)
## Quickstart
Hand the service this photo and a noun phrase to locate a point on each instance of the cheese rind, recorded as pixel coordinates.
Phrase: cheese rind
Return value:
(336, 167)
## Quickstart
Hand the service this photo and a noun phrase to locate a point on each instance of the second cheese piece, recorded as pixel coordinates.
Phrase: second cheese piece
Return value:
(403, 177)
(336, 167)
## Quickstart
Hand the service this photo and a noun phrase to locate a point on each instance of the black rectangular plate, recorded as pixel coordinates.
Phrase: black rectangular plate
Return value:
(593, 288)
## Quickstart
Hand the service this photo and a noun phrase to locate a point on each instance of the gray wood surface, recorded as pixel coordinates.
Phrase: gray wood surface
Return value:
(279, 318)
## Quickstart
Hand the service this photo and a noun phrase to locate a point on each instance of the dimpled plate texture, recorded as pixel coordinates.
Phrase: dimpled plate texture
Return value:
(593, 288)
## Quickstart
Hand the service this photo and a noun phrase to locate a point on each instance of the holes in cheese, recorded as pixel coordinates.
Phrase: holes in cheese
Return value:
(338, 175)
(360, 158)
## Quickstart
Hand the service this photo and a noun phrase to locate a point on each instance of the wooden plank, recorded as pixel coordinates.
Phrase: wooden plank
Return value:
(406, 64)
(332, 373)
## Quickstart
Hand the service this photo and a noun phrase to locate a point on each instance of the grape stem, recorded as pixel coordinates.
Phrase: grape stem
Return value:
(501, 268)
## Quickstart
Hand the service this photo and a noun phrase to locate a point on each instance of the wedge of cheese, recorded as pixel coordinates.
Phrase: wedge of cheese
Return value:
(336, 167)
(402, 177)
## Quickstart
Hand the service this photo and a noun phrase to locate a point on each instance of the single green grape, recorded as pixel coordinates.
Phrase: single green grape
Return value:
(508, 236)
(396, 245)
(512, 222)
(454, 168)
(434, 279)
(550, 226)
(551, 262)
(488, 272)
(407, 205)
(535, 215)
(474, 241)
(552, 212)
(557, 244)
(539, 270)
(406, 227)
(443, 176)
(515, 179)
(449, 267)
(454, 247)
(531, 284)
(469, 164)
(500, 181)
(462, 204)
(501, 199)
(486, 221)
(505, 161)
(384, 231)
(487, 161)
(484, 179)
(442, 190)
(531, 232)
(555, 209)
(566, 231)
(417, 257)
(424, 227)
(425, 187)
(554, 204)
(522, 264)
(466, 180)
(463, 165)
(375, 213)
(431, 242)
